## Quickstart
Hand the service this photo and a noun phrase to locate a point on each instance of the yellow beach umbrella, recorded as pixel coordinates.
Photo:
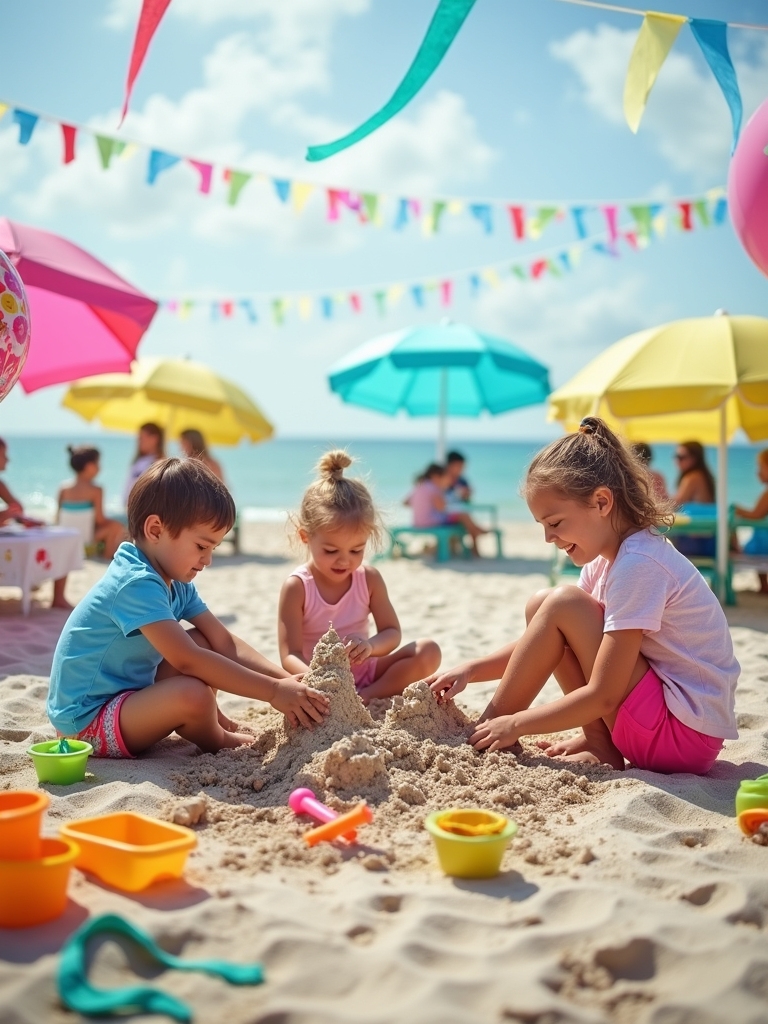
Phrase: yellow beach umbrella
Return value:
(177, 394)
(699, 379)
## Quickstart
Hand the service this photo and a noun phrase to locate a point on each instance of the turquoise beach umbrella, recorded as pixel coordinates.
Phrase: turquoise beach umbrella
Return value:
(442, 370)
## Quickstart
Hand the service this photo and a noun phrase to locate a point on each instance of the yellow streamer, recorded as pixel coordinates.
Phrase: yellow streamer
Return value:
(654, 41)
(300, 193)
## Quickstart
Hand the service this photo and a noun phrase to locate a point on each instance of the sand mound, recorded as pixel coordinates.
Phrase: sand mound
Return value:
(408, 760)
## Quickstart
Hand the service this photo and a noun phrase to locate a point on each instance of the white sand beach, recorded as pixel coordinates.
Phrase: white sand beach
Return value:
(626, 897)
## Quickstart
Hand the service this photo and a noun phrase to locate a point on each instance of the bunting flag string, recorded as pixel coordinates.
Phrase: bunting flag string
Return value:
(439, 291)
(524, 221)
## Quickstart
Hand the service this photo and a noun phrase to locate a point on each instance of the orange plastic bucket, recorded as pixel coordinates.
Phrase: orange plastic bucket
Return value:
(35, 891)
(21, 813)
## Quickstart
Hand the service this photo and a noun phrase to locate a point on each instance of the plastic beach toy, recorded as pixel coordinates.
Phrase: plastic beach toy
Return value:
(130, 851)
(79, 995)
(748, 188)
(35, 891)
(751, 819)
(476, 855)
(304, 801)
(21, 813)
(472, 823)
(752, 794)
(360, 815)
(61, 767)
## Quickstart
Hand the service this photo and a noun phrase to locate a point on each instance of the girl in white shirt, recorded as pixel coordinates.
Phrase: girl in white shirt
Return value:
(641, 648)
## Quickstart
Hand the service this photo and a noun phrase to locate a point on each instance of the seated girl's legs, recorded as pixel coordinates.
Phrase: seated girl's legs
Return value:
(112, 534)
(563, 636)
(59, 601)
(407, 665)
(471, 527)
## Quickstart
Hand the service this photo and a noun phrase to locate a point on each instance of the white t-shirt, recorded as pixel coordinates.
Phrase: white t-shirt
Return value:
(651, 586)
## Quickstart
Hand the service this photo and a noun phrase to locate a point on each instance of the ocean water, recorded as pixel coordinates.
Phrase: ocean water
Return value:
(268, 479)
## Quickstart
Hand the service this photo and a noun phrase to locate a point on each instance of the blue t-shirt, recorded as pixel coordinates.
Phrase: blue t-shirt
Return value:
(101, 651)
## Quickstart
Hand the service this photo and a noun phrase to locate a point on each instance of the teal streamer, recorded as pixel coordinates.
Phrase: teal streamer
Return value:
(79, 995)
(712, 37)
(443, 29)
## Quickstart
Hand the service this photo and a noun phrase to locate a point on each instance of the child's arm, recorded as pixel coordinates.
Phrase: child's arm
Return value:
(601, 697)
(290, 626)
(387, 638)
(231, 646)
(447, 683)
(298, 702)
(760, 511)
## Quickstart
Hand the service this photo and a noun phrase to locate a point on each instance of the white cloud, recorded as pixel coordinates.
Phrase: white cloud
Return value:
(566, 322)
(687, 116)
(434, 149)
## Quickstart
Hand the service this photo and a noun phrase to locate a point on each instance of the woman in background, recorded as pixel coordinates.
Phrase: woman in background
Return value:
(83, 494)
(644, 452)
(150, 448)
(193, 445)
(695, 486)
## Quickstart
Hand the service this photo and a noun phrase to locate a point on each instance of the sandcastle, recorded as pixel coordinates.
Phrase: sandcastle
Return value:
(405, 756)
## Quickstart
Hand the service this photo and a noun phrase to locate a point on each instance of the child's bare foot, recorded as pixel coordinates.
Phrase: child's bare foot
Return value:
(235, 739)
(226, 723)
(592, 749)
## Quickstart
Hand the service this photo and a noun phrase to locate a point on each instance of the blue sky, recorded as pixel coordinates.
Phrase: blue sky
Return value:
(527, 105)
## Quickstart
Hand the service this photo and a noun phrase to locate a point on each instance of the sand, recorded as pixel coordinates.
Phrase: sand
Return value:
(626, 897)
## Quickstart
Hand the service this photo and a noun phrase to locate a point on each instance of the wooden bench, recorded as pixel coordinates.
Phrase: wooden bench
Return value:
(443, 535)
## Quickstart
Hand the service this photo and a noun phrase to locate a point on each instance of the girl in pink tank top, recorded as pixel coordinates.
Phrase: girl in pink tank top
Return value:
(336, 520)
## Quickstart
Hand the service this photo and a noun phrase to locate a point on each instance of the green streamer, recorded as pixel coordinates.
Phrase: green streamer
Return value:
(443, 29)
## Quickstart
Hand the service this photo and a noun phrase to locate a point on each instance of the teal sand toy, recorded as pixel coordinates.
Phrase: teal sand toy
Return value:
(79, 995)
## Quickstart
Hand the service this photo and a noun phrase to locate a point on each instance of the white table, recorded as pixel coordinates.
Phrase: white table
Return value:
(30, 556)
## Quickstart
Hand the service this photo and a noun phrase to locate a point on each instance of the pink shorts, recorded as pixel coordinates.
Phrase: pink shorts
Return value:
(364, 674)
(650, 737)
(103, 732)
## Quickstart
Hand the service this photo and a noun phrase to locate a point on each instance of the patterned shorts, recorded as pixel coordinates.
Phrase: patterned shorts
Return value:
(103, 732)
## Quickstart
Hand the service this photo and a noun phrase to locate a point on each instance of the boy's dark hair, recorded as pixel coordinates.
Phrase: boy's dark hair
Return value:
(81, 455)
(454, 457)
(643, 451)
(182, 493)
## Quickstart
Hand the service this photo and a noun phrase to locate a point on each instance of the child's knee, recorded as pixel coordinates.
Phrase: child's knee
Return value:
(197, 697)
(535, 602)
(429, 655)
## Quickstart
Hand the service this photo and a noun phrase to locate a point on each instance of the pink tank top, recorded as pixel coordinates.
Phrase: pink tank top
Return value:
(349, 615)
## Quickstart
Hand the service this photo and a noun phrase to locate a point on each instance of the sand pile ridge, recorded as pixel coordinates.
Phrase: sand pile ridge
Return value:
(406, 758)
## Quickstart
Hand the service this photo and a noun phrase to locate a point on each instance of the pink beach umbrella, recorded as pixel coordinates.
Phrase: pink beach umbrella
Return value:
(84, 318)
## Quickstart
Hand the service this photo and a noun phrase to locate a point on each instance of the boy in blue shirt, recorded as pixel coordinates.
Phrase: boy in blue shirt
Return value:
(125, 672)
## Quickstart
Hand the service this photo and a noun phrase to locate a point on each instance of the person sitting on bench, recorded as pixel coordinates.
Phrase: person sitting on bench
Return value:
(427, 503)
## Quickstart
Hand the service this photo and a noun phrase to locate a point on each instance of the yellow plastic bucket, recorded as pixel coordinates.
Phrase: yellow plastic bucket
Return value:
(470, 856)
(130, 851)
(35, 891)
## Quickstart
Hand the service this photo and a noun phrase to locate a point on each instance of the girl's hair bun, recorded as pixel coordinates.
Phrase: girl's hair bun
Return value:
(590, 425)
(333, 464)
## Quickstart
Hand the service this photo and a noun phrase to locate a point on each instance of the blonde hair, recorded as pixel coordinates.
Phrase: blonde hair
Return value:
(335, 500)
(577, 464)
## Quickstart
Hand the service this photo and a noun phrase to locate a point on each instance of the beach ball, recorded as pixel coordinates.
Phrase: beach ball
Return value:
(14, 325)
(748, 188)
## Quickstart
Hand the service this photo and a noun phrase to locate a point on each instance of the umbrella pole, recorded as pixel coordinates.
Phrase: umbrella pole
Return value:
(723, 540)
(442, 416)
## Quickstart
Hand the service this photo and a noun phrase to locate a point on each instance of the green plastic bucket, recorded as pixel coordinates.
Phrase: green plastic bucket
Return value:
(60, 769)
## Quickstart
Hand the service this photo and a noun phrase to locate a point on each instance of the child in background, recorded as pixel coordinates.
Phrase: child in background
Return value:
(336, 520)
(428, 504)
(641, 648)
(758, 542)
(125, 672)
(150, 447)
(83, 493)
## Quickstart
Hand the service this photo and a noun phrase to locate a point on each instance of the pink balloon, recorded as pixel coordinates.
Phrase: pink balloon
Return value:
(748, 188)
(14, 325)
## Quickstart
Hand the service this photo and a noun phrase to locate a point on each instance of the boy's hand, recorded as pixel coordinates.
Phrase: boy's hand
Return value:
(495, 734)
(358, 649)
(446, 685)
(300, 704)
